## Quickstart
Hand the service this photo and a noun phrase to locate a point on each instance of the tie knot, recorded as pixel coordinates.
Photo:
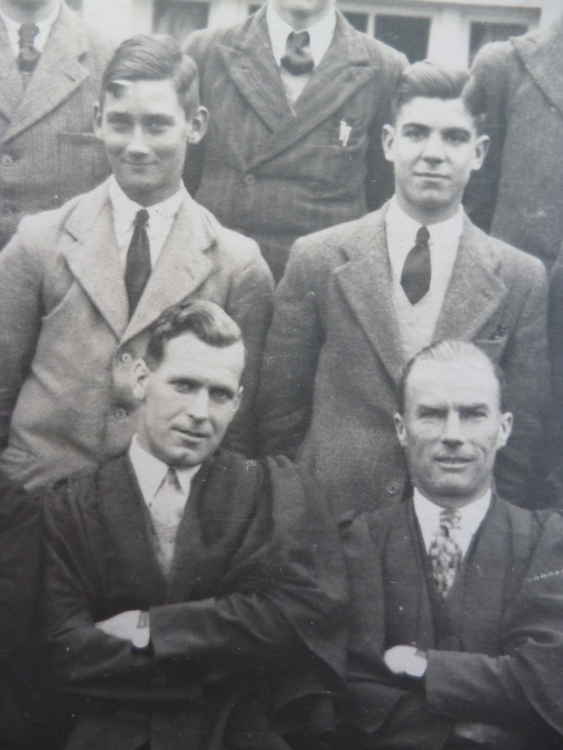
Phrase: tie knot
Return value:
(141, 218)
(450, 518)
(298, 40)
(171, 479)
(27, 34)
(422, 236)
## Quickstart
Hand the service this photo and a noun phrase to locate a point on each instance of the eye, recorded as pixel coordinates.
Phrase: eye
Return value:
(119, 124)
(456, 137)
(473, 413)
(415, 133)
(221, 395)
(184, 386)
(430, 414)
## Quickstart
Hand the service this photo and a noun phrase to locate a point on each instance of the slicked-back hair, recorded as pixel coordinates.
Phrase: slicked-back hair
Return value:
(206, 320)
(451, 351)
(153, 57)
(431, 81)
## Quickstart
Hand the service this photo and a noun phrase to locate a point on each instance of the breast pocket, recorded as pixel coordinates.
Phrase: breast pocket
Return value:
(82, 163)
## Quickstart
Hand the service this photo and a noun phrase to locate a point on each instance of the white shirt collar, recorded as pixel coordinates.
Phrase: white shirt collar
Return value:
(44, 26)
(125, 209)
(471, 515)
(321, 34)
(150, 471)
(442, 232)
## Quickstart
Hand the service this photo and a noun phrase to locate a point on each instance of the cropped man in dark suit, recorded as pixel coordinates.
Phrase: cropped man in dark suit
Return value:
(52, 65)
(358, 300)
(455, 621)
(184, 582)
(299, 97)
(19, 596)
(80, 286)
(517, 195)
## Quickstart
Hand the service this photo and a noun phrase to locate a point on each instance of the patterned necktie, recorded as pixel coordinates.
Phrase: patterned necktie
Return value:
(297, 59)
(166, 512)
(444, 552)
(29, 54)
(416, 275)
(138, 265)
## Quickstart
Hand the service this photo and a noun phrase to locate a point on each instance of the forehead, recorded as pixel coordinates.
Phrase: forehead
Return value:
(189, 357)
(143, 96)
(455, 384)
(436, 113)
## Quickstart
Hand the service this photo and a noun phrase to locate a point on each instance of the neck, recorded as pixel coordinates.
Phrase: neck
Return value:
(300, 19)
(32, 12)
(427, 215)
(147, 200)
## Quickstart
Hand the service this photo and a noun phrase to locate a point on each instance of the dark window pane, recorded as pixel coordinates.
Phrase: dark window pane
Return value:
(483, 33)
(408, 34)
(180, 18)
(74, 4)
(358, 20)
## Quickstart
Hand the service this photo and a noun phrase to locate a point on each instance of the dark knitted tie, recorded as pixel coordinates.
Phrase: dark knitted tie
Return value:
(297, 59)
(138, 265)
(415, 278)
(29, 55)
(444, 552)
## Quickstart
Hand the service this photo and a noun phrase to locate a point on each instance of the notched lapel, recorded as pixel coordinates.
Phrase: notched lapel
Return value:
(475, 290)
(11, 86)
(541, 54)
(92, 257)
(366, 284)
(58, 73)
(184, 264)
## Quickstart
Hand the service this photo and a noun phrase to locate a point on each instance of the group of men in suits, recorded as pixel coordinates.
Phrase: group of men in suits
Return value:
(193, 597)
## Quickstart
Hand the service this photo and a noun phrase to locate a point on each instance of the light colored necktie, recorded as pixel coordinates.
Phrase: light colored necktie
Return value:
(444, 552)
(166, 511)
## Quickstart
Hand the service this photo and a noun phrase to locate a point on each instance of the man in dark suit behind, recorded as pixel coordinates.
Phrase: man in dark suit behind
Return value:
(298, 98)
(358, 300)
(80, 286)
(52, 65)
(181, 579)
(456, 638)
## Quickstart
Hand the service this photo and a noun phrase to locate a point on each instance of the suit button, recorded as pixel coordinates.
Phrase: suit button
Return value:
(6, 160)
(392, 488)
(250, 179)
(120, 414)
(125, 358)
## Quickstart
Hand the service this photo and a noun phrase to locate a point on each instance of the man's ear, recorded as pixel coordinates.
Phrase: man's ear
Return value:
(97, 118)
(387, 141)
(481, 149)
(197, 125)
(238, 399)
(400, 429)
(505, 429)
(141, 374)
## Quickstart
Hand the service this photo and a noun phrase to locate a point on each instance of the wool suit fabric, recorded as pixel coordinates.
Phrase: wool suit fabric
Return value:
(275, 174)
(333, 356)
(68, 346)
(253, 606)
(48, 151)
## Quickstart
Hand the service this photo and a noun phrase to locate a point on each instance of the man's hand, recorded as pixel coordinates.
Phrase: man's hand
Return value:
(132, 625)
(406, 660)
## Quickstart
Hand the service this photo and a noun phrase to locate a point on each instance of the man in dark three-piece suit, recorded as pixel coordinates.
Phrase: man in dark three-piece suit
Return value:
(80, 286)
(297, 98)
(51, 66)
(358, 300)
(191, 594)
(455, 621)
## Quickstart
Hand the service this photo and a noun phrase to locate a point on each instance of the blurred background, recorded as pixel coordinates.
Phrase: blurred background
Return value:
(447, 31)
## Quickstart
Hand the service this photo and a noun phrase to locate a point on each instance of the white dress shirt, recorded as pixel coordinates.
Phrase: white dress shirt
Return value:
(320, 34)
(44, 26)
(417, 322)
(471, 517)
(161, 218)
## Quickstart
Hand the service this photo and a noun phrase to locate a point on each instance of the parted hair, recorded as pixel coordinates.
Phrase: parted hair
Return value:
(153, 57)
(430, 80)
(206, 320)
(450, 351)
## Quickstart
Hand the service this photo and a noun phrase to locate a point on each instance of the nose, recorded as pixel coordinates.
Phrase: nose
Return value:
(198, 407)
(137, 145)
(452, 435)
(433, 149)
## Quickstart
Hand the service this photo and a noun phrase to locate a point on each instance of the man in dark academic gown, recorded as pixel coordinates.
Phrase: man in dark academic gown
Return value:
(19, 588)
(190, 593)
(456, 638)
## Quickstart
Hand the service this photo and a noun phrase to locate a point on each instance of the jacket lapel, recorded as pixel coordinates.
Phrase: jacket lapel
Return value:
(124, 513)
(58, 72)
(475, 290)
(183, 265)
(345, 68)
(250, 64)
(366, 283)
(92, 256)
(11, 86)
(541, 54)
